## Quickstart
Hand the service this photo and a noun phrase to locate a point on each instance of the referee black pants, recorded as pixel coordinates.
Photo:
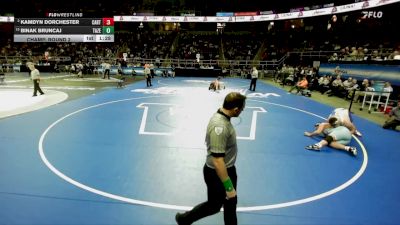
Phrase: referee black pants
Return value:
(36, 87)
(106, 73)
(253, 84)
(216, 198)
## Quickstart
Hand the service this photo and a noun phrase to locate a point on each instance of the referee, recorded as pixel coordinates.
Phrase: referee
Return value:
(219, 170)
(35, 76)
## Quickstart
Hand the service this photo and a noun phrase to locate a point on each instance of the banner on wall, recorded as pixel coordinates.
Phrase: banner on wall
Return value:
(375, 72)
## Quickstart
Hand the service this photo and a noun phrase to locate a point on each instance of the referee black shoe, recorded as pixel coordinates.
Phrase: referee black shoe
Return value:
(178, 219)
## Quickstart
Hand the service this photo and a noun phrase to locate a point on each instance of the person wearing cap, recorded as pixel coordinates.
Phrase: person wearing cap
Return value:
(335, 136)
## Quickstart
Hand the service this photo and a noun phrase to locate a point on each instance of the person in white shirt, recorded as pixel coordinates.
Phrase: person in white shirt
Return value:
(254, 76)
(387, 87)
(35, 76)
(343, 117)
(147, 75)
(107, 67)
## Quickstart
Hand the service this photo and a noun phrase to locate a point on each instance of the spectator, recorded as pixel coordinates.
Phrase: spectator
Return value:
(393, 119)
(301, 85)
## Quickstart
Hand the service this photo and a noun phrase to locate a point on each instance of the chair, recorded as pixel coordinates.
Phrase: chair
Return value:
(369, 99)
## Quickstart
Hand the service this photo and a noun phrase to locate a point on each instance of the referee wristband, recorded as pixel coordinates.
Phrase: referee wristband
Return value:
(228, 185)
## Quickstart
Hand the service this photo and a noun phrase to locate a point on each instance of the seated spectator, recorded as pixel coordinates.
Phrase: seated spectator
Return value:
(387, 90)
(334, 57)
(359, 95)
(395, 55)
(376, 56)
(324, 84)
(387, 87)
(336, 87)
(393, 119)
(351, 88)
(289, 80)
(353, 54)
(314, 84)
(348, 83)
(301, 85)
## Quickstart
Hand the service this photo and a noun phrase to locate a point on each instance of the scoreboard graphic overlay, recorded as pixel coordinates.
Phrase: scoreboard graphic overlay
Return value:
(64, 30)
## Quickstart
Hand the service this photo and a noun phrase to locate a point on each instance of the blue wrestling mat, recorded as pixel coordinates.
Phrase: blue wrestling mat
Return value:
(135, 156)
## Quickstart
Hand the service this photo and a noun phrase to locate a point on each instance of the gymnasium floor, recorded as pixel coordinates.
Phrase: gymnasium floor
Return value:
(135, 155)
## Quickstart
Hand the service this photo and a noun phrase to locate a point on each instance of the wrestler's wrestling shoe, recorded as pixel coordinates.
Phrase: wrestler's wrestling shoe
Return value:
(353, 151)
(358, 133)
(313, 147)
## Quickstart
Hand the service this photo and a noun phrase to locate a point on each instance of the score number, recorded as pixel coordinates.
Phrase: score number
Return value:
(108, 26)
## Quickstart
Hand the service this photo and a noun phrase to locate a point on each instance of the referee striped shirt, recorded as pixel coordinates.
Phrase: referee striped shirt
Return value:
(221, 140)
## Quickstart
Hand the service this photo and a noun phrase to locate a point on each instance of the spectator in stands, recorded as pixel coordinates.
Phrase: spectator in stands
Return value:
(353, 54)
(334, 57)
(301, 85)
(360, 54)
(393, 119)
(289, 80)
(361, 91)
(348, 83)
(313, 84)
(336, 87)
(395, 55)
(376, 56)
(352, 88)
(387, 87)
(324, 84)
